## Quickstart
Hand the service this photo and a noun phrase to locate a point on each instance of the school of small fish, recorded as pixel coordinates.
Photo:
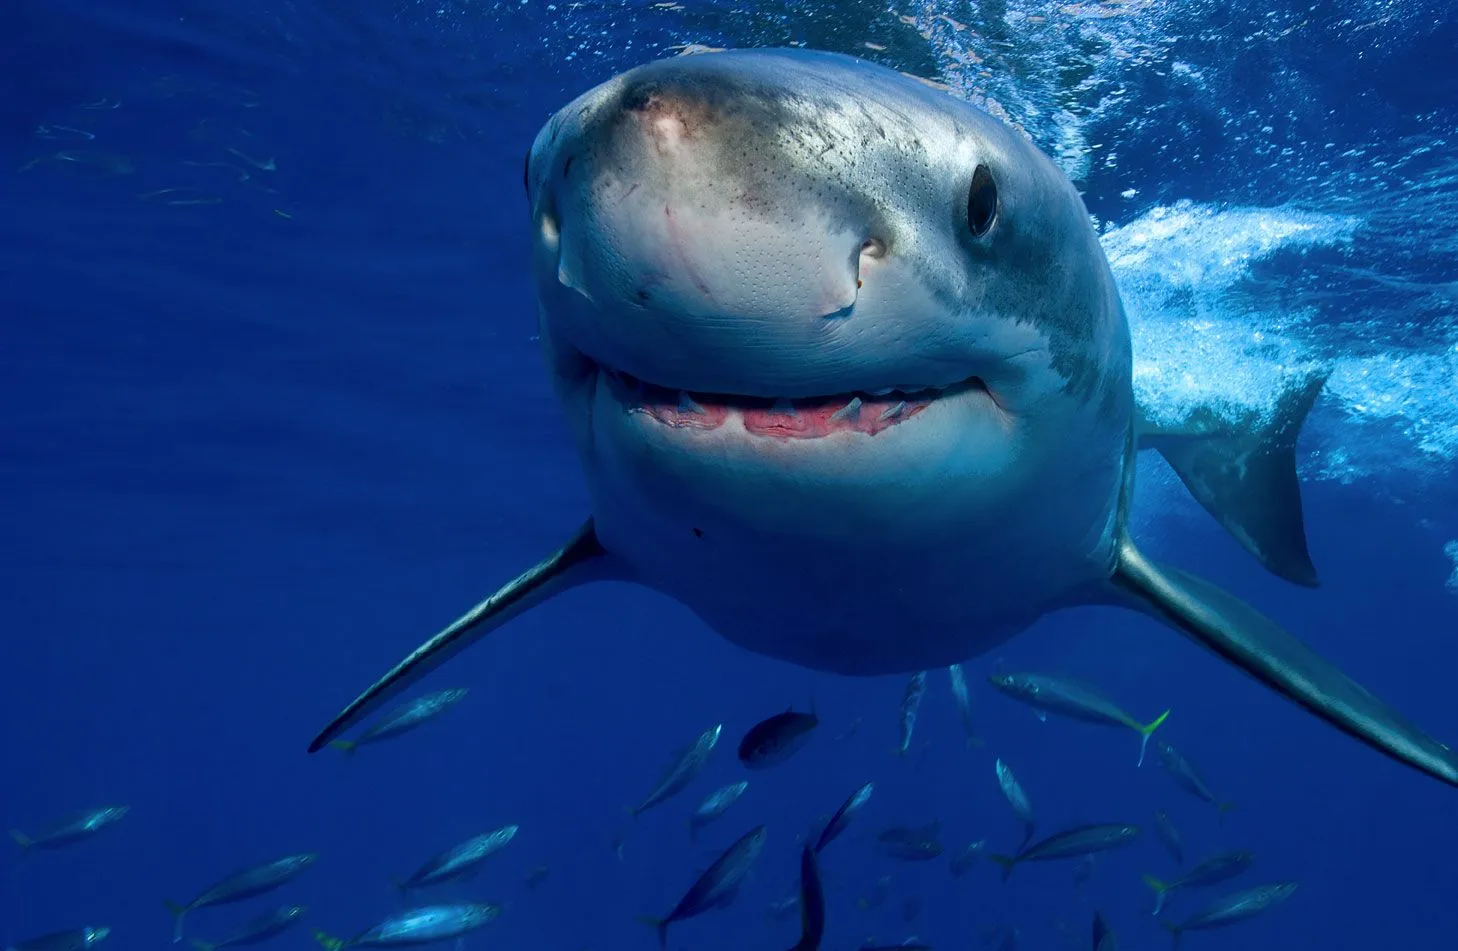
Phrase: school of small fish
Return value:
(764, 745)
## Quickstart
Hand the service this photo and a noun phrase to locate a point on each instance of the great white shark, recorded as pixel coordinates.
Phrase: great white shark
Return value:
(849, 377)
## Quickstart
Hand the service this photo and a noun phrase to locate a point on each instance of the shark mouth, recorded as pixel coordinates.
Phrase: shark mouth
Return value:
(858, 411)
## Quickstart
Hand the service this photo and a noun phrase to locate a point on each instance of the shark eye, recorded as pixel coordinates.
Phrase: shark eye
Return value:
(981, 202)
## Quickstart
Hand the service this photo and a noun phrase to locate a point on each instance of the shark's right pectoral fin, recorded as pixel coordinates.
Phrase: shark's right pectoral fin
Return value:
(581, 560)
(1254, 643)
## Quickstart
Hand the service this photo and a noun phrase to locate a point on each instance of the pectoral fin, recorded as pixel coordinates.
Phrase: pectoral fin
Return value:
(582, 559)
(1254, 643)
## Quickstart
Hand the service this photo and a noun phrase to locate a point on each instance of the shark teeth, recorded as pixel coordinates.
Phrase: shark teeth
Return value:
(848, 413)
(892, 412)
(686, 404)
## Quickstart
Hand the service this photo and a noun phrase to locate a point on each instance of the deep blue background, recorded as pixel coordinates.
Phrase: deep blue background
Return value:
(250, 459)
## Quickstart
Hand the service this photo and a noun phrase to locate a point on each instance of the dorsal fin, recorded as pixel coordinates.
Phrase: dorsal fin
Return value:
(1243, 473)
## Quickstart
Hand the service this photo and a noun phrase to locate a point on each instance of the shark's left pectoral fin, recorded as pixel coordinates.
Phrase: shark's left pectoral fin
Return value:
(581, 560)
(1254, 643)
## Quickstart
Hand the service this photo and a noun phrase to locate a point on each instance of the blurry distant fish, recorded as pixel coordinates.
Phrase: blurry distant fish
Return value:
(536, 875)
(843, 815)
(964, 704)
(1016, 798)
(812, 903)
(460, 861)
(912, 845)
(1084, 870)
(1070, 844)
(910, 704)
(878, 894)
(77, 939)
(848, 732)
(1188, 778)
(717, 886)
(910, 910)
(1212, 871)
(259, 929)
(775, 739)
(405, 718)
(714, 805)
(1073, 699)
(418, 926)
(783, 907)
(1103, 938)
(1169, 836)
(245, 884)
(1232, 908)
(70, 830)
(968, 857)
(682, 767)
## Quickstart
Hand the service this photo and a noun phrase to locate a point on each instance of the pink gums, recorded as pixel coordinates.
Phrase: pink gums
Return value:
(791, 419)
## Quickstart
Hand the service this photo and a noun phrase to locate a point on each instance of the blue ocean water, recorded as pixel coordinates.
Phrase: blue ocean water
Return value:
(275, 412)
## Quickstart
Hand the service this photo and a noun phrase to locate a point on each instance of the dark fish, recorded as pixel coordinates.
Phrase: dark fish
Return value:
(910, 704)
(423, 925)
(77, 939)
(1169, 836)
(844, 815)
(1016, 798)
(774, 740)
(912, 845)
(460, 861)
(964, 704)
(536, 875)
(906, 946)
(262, 928)
(405, 718)
(1103, 938)
(812, 903)
(1212, 871)
(1232, 908)
(244, 884)
(1073, 699)
(910, 910)
(70, 830)
(878, 894)
(968, 857)
(1070, 844)
(718, 885)
(715, 804)
(682, 767)
(1189, 778)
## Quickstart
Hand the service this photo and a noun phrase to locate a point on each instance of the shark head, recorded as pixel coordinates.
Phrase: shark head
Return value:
(774, 282)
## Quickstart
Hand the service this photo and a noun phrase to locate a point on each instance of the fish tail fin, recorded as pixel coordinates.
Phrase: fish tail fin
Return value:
(1007, 862)
(659, 925)
(330, 943)
(1146, 731)
(1161, 892)
(178, 912)
(1221, 808)
(347, 747)
(22, 840)
(1175, 933)
(1245, 476)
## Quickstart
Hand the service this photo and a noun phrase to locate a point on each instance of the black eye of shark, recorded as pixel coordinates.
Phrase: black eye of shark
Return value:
(981, 202)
